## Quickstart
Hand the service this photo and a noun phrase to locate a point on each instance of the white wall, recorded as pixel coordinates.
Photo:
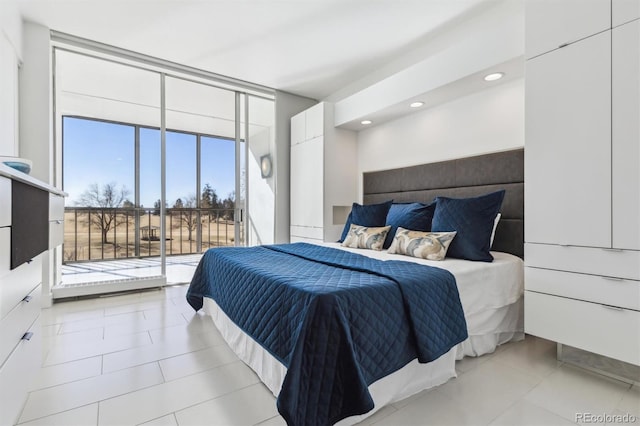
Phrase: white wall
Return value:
(10, 57)
(488, 121)
(261, 190)
(11, 24)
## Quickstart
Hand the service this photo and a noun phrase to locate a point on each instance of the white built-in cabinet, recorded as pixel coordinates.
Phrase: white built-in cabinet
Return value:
(20, 301)
(550, 24)
(582, 175)
(623, 11)
(323, 175)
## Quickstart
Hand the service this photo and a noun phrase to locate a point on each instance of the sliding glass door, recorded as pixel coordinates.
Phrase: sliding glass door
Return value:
(202, 173)
(156, 171)
(102, 111)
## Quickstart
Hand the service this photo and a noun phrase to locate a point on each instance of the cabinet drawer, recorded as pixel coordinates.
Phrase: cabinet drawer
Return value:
(18, 321)
(18, 283)
(16, 375)
(587, 260)
(297, 239)
(596, 328)
(5, 206)
(307, 232)
(56, 233)
(56, 207)
(592, 288)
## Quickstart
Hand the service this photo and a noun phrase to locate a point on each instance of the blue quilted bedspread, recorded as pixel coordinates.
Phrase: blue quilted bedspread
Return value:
(337, 320)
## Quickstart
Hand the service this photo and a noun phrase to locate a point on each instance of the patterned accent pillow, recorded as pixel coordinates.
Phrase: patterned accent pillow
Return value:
(367, 215)
(425, 245)
(366, 238)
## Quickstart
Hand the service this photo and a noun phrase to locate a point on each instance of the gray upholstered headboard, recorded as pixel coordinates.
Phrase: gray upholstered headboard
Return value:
(465, 177)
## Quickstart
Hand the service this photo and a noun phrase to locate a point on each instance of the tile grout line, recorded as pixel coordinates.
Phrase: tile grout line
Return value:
(508, 408)
(66, 383)
(217, 397)
(277, 415)
(96, 401)
(550, 412)
(175, 356)
(164, 379)
(55, 414)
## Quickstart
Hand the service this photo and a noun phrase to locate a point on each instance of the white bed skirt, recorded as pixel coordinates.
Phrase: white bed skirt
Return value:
(487, 330)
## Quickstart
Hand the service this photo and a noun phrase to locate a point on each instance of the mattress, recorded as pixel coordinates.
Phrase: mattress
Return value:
(482, 285)
(491, 296)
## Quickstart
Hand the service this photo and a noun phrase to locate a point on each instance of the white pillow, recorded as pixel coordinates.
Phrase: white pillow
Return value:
(495, 225)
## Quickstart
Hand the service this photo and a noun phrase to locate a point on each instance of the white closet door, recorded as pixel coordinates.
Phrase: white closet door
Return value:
(297, 128)
(626, 136)
(307, 183)
(551, 23)
(624, 11)
(315, 121)
(568, 140)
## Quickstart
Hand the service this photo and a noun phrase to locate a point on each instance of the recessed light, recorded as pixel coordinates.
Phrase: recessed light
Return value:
(494, 76)
(366, 122)
(416, 104)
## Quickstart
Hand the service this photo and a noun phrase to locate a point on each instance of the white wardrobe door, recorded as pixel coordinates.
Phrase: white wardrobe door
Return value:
(624, 11)
(568, 140)
(314, 121)
(626, 136)
(307, 164)
(297, 128)
(551, 23)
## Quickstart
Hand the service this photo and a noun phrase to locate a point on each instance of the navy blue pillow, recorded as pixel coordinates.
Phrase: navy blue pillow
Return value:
(472, 219)
(369, 215)
(413, 216)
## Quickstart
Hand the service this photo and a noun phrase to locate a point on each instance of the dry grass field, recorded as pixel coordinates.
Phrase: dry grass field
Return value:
(83, 241)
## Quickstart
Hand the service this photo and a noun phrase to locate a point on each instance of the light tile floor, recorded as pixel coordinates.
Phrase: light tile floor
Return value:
(147, 358)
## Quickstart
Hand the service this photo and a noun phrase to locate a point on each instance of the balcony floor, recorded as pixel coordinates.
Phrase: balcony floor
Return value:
(180, 269)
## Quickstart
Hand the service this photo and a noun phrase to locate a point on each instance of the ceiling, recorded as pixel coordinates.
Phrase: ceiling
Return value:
(312, 48)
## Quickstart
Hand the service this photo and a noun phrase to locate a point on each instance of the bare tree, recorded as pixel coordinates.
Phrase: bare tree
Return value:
(106, 200)
(188, 215)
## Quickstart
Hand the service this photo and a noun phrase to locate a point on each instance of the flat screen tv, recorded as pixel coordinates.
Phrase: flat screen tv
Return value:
(29, 222)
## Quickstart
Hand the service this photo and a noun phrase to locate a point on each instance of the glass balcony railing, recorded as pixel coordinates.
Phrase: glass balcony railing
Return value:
(124, 233)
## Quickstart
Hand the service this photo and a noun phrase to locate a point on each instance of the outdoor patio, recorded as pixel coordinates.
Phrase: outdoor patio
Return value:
(180, 269)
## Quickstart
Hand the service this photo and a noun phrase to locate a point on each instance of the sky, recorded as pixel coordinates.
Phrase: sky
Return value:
(96, 152)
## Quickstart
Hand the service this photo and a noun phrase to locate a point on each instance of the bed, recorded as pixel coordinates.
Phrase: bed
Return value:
(340, 376)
